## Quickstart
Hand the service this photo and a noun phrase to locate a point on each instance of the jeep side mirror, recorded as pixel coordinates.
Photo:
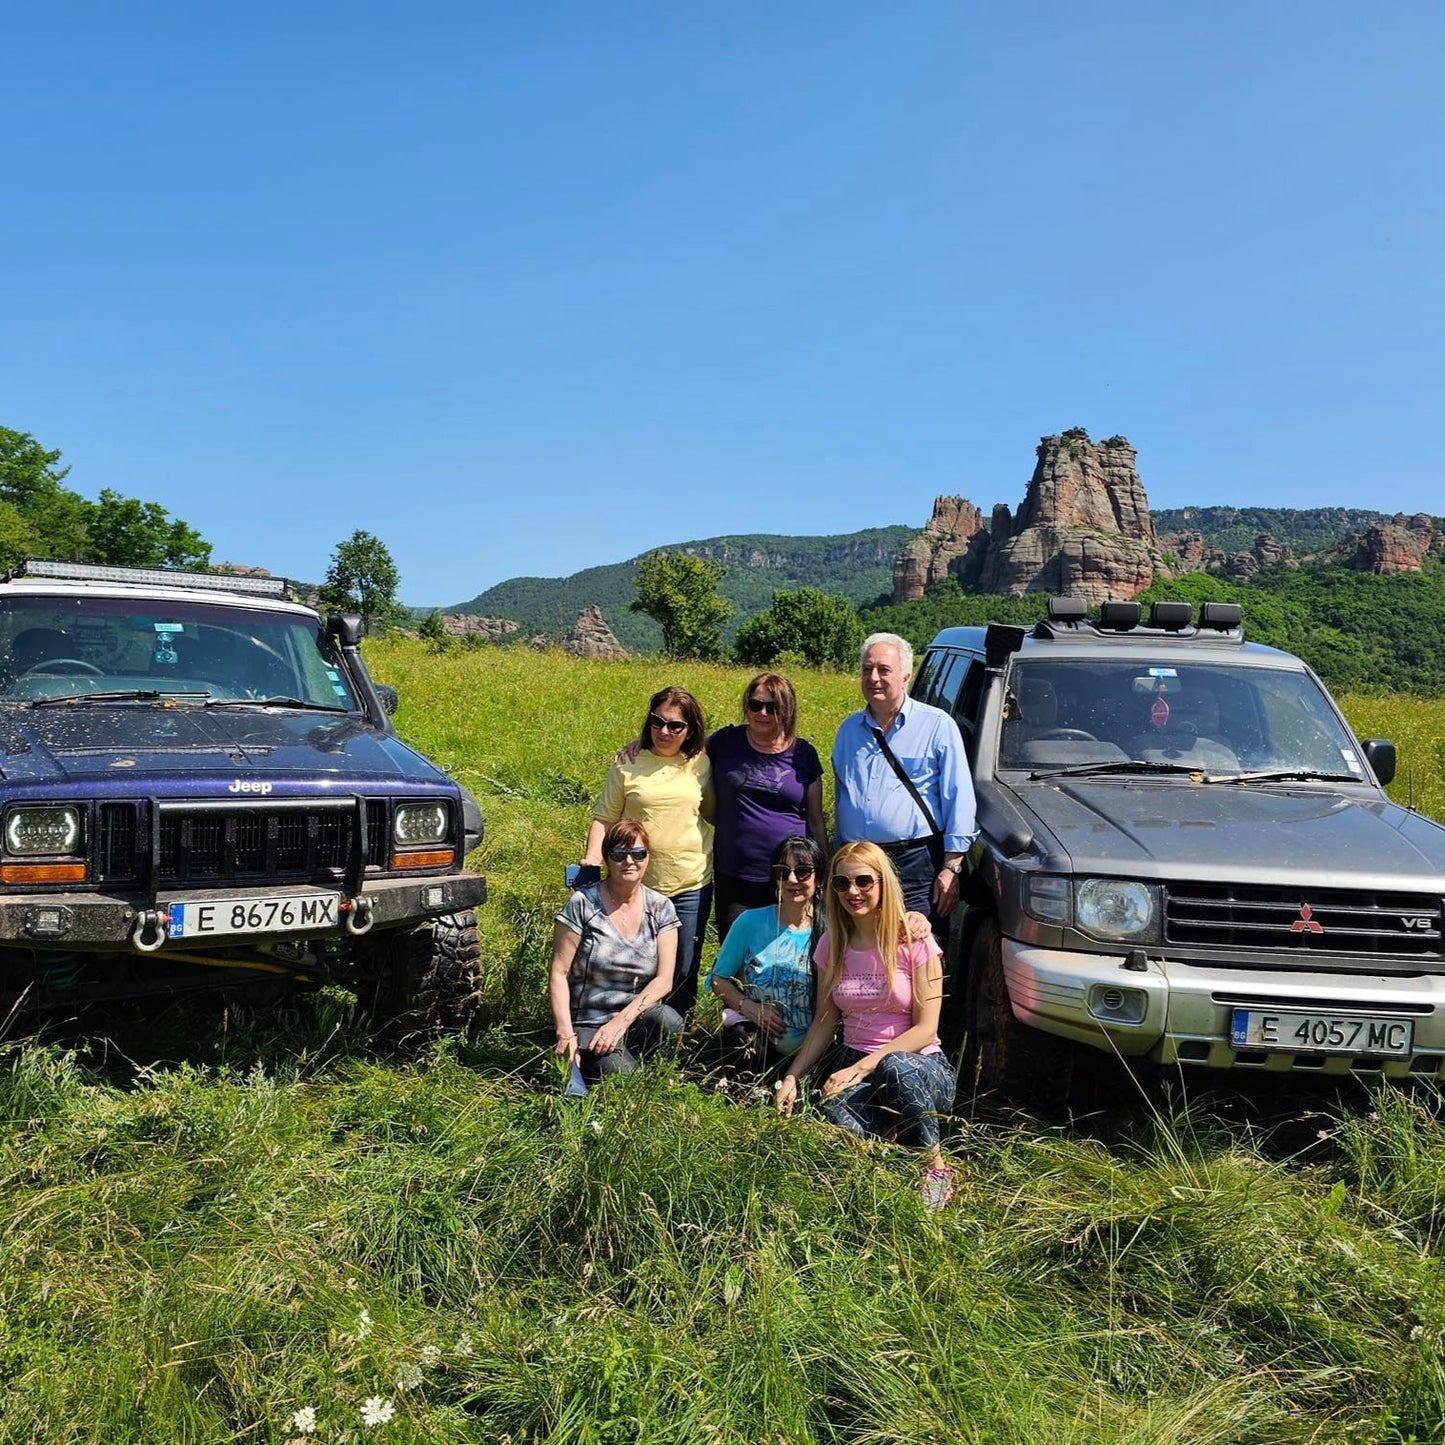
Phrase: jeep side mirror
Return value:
(345, 627)
(1380, 754)
(388, 697)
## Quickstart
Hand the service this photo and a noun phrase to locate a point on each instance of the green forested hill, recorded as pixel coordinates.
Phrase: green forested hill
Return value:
(855, 565)
(1234, 529)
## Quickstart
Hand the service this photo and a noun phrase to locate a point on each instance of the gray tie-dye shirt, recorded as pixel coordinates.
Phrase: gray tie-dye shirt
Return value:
(608, 971)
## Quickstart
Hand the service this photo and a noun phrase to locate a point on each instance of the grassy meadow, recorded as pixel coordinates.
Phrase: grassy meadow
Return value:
(221, 1226)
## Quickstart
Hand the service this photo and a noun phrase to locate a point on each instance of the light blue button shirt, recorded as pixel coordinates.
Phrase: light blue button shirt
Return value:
(873, 805)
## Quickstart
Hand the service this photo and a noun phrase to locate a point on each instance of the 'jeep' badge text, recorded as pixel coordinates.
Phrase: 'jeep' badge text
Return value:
(242, 786)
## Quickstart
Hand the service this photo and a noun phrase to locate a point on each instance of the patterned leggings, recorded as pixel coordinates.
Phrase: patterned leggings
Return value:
(905, 1095)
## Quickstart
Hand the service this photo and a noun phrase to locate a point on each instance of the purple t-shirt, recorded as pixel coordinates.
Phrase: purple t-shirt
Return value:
(760, 800)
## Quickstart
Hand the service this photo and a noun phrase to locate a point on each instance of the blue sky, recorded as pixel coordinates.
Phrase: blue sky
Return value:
(524, 289)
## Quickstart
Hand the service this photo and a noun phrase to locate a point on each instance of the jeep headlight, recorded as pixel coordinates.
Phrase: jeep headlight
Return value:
(29, 831)
(419, 824)
(1115, 908)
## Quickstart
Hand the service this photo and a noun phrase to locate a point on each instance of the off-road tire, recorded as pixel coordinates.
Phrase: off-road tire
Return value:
(422, 983)
(1002, 1056)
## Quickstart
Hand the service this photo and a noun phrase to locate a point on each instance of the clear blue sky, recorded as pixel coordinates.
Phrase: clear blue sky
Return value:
(528, 288)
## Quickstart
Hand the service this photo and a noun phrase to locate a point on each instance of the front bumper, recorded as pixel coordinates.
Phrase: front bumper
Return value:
(107, 921)
(1175, 1012)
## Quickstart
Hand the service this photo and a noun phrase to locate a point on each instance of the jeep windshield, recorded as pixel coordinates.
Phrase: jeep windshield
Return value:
(80, 649)
(1138, 718)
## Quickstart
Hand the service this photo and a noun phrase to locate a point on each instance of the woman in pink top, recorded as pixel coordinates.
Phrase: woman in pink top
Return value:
(886, 991)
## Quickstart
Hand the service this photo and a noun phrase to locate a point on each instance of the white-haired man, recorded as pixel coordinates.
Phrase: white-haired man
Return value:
(901, 780)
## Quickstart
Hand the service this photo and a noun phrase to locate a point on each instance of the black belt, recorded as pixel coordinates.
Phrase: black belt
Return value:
(908, 845)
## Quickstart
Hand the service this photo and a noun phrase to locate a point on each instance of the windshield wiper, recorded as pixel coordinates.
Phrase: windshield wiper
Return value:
(1082, 770)
(1285, 775)
(295, 703)
(129, 694)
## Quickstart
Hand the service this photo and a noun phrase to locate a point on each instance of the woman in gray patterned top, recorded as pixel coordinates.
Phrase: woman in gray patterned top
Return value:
(614, 951)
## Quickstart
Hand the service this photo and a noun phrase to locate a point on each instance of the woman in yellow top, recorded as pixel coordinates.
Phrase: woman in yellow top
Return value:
(667, 788)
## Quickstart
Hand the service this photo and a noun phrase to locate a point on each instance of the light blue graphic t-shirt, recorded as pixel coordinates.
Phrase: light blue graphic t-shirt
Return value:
(770, 964)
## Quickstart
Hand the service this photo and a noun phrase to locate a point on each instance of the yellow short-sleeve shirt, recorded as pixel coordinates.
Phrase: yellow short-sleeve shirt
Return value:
(672, 799)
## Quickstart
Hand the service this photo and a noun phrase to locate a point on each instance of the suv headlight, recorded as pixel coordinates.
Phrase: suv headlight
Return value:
(31, 831)
(417, 825)
(1115, 908)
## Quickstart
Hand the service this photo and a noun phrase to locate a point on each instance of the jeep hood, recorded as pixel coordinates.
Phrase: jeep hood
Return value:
(1165, 828)
(92, 742)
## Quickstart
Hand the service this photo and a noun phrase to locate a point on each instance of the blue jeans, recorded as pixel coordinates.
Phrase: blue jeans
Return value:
(692, 911)
(905, 1095)
(649, 1031)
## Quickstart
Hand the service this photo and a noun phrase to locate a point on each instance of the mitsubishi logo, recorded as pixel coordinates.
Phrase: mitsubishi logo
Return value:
(1305, 923)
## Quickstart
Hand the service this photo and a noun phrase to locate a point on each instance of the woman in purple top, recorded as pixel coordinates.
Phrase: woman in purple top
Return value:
(769, 786)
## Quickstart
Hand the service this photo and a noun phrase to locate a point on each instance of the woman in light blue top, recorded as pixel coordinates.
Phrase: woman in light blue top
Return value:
(763, 972)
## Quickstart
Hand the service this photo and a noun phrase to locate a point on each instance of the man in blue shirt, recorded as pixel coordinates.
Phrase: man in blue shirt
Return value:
(872, 802)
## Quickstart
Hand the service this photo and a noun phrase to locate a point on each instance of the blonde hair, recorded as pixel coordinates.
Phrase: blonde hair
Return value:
(889, 910)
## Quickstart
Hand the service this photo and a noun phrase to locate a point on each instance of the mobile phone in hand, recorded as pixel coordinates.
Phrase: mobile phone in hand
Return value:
(581, 875)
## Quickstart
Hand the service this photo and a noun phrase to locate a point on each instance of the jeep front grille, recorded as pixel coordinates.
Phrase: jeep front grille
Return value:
(1304, 921)
(249, 841)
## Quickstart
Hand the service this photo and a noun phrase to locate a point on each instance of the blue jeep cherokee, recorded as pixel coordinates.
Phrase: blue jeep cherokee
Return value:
(200, 784)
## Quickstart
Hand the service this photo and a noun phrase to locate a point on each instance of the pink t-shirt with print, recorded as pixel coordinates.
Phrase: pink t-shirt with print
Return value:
(874, 1014)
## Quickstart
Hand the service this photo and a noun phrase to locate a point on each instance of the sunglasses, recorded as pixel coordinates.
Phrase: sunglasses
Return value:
(666, 725)
(617, 855)
(863, 882)
(802, 873)
(762, 705)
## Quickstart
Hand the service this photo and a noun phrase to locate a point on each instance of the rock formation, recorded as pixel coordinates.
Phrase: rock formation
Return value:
(1399, 545)
(491, 629)
(1083, 528)
(930, 556)
(590, 636)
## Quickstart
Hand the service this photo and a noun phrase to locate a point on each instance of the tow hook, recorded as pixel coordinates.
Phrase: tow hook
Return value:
(148, 922)
(358, 913)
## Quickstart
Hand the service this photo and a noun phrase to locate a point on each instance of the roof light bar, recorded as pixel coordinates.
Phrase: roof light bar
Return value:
(1119, 616)
(1170, 616)
(1220, 616)
(1066, 609)
(154, 577)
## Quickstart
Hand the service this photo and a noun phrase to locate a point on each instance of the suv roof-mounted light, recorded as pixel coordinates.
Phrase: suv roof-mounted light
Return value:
(1170, 616)
(1119, 616)
(1067, 609)
(154, 577)
(1220, 616)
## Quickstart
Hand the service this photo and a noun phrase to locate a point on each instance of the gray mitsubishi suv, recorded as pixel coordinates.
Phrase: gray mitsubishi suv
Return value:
(1185, 856)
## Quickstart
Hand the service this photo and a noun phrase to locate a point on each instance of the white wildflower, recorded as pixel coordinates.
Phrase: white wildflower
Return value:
(408, 1377)
(1323, 1134)
(1417, 1332)
(376, 1411)
(430, 1356)
(596, 1126)
(463, 1345)
(363, 1324)
(304, 1420)
(351, 1282)
(1374, 1116)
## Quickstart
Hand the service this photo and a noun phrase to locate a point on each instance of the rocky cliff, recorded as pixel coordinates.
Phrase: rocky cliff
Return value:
(930, 556)
(590, 636)
(1398, 545)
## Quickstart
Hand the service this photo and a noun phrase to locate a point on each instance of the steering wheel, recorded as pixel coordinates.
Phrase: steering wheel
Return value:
(65, 664)
(1065, 735)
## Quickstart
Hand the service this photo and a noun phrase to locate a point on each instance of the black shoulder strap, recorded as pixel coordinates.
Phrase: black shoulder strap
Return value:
(907, 782)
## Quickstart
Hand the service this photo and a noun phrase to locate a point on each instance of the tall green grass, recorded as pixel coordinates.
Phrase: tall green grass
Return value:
(215, 1221)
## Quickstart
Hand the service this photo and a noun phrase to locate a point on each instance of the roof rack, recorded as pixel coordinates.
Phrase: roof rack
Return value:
(1067, 621)
(154, 577)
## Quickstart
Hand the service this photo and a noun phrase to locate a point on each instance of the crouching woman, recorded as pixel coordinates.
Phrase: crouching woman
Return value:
(614, 953)
(885, 989)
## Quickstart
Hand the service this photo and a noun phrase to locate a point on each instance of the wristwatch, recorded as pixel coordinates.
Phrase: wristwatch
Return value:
(955, 868)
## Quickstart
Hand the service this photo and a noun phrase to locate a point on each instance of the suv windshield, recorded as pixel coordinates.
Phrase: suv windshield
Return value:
(1207, 717)
(76, 646)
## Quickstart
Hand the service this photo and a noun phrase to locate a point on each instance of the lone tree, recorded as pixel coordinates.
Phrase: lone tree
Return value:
(679, 592)
(125, 532)
(807, 623)
(433, 632)
(363, 579)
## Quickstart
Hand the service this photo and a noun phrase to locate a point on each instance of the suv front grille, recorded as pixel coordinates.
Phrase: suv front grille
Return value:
(1304, 921)
(251, 842)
